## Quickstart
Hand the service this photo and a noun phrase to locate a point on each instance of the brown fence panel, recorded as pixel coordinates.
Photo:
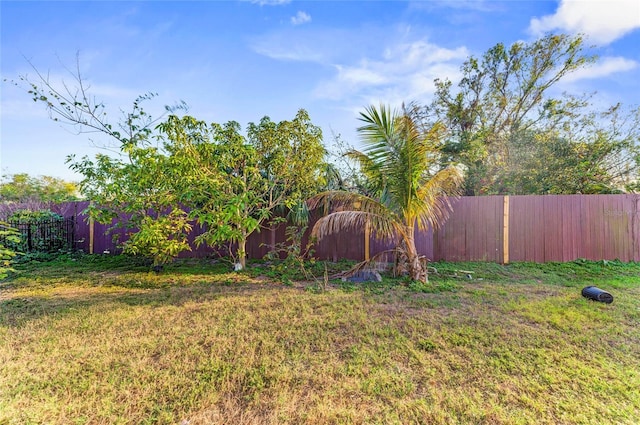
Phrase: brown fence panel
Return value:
(526, 241)
(541, 229)
(569, 227)
(81, 230)
(633, 204)
(552, 228)
(348, 244)
(261, 243)
(473, 231)
(424, 243)
(619, 223)
(571, 231)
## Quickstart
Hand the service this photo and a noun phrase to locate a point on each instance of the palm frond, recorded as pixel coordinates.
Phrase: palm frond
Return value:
(376, 179)
(361, 209)
(364, 160)
(342, 200)
(379, 126)
(298, 214)
(433, 200)
(412, 158)
(336, 222)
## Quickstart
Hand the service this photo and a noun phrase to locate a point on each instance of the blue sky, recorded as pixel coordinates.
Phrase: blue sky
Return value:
(242, 60)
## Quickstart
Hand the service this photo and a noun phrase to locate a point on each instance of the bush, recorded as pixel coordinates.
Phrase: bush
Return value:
(30, 217)
(41, 231)
(8, 236)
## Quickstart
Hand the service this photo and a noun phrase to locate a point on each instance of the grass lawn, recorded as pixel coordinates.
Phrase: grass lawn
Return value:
(99, 340)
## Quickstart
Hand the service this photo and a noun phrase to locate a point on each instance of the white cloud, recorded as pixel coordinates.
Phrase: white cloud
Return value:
(404, 72)
(363, 70)
(604, 67)
(296, 51)
(300, 18)
(320, 45)
(360, 75)
(603, 21)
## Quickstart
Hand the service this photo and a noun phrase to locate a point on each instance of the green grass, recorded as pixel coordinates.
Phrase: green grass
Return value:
(100, 340)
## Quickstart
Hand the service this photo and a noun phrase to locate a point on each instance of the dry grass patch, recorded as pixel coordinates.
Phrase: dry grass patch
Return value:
(203, 348)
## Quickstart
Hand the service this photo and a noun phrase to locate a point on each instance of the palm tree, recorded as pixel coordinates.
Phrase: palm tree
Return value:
(399, 161)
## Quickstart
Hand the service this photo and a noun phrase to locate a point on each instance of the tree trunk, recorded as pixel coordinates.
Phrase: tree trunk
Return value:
(242, 253)
(272, 237)
(416, 270)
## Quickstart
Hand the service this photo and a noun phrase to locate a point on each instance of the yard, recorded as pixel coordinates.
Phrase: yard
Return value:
(99, 340)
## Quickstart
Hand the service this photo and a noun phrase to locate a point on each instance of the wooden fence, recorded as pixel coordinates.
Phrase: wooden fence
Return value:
(541, 229)
(498, 229)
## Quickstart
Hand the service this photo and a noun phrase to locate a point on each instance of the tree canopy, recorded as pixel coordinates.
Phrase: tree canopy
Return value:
(168, 172)
(23, 187)
(234, 184)
(212, 174)
(515, 135)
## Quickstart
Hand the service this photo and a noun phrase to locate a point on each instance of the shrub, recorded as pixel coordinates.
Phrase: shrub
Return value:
(8, 236)
(41, 231)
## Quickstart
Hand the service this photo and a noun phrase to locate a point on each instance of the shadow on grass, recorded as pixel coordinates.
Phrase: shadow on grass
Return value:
(120, 263)
(70, 284)
(20, 306)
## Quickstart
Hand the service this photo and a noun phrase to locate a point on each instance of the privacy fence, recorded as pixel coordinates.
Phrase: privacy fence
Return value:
(498, 229)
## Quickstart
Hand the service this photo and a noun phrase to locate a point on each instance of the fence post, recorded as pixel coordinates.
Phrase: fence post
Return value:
(29, 241)
(91, 235)
(505, 230)
(72, 223)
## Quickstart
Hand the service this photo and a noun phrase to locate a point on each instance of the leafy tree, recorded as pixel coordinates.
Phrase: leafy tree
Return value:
(399, 159)
(292, 160)
(22, 188)
(132, 184)
(591, 153)
(163, 174)
(8, 237)
(234, 184)
(502, 98)
(139, 194)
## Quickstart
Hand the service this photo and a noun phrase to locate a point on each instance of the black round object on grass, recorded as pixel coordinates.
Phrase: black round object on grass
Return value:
(597, 294)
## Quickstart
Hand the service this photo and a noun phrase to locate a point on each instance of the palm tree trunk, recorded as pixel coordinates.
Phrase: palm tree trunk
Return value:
(416, 270)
